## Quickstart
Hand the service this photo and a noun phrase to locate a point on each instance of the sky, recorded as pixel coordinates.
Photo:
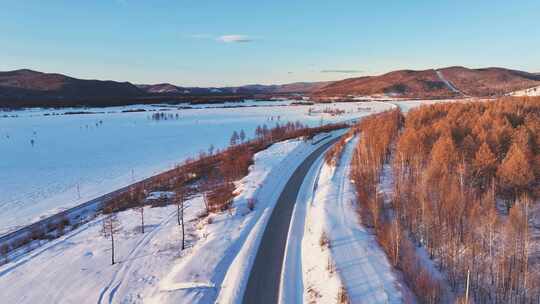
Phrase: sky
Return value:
(235, 42)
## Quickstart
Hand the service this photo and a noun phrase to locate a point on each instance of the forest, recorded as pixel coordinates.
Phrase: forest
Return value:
(464, 192)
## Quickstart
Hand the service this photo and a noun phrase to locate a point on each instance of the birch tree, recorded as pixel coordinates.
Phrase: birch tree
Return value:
(110, 227)
(179, 199)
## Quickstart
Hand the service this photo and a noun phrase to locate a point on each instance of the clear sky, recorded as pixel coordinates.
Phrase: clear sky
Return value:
(231, 42)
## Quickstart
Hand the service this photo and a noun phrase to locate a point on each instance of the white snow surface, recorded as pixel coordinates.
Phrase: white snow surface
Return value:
(53, 162)
(152, 269)
(328, 202)
(76, 268)
(534, 91)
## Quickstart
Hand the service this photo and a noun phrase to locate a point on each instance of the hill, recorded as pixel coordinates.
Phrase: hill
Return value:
(441, 83)
(160, 88)
(27, 87)
(297, 87)
(489, 81)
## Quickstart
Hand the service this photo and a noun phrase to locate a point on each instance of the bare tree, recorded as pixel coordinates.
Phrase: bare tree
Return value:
(259, 132)
(206, 186)
(343, 296)
(234, 139)
(242, 136)
(140, 210)
(179, 199)
(110, 227)
(137, 198)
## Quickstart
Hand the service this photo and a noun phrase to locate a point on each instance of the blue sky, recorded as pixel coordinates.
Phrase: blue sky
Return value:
(231, 42)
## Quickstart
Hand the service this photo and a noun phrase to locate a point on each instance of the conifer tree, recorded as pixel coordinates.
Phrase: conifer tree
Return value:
(515, 173)
(485, 165)
(234, 139)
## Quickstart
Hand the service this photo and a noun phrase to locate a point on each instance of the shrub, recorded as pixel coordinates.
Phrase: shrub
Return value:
(324, 241)
(4, 251)
(343, 296)
(251, 202)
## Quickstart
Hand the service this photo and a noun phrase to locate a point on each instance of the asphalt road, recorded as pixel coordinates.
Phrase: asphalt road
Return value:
(264, 279)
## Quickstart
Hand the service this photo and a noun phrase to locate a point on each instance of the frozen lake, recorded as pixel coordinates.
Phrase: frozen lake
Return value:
(52, 162)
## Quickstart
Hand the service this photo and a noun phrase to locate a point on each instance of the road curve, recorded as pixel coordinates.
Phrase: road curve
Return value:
(264, 278)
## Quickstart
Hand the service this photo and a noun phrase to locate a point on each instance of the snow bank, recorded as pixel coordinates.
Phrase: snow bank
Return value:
(306, 276)
(354, 260)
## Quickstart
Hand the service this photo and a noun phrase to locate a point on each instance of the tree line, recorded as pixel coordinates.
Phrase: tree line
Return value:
(466, 176)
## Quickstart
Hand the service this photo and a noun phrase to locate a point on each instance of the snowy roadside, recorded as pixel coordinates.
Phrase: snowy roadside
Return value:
(347, 258)
(76, 268)
(266, 194)
(306, 277)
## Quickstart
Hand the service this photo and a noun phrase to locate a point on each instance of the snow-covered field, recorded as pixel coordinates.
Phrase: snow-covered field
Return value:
(152, 269)
(51, 162)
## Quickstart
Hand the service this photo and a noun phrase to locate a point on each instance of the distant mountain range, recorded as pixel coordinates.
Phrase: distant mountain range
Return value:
(298, 87)
(440, 83)
(31, 88)
(26, 88)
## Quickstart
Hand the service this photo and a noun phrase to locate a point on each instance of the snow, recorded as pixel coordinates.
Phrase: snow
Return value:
(76, 268)
(328, 204)
(75, 158)
(535, 91)
(152, 269)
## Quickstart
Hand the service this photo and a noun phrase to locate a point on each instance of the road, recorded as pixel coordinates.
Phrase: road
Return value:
(264, 279)
(448, 83)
